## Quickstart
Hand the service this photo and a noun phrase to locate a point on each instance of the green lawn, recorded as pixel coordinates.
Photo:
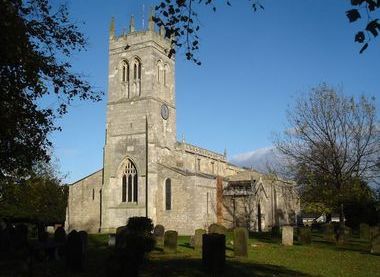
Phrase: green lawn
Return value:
(267, 257)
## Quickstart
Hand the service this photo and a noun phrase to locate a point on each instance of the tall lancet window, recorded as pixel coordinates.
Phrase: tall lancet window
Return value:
(168, 194)
(125, 77)
(129, 192)
(137, 76)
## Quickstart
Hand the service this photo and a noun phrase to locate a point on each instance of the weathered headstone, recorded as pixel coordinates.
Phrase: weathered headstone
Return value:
(217, 229)
(191, 241)
(111, 240)
(374, 231)
(375, 244)
(214, 252)
(304, 235)
(74, 256)
(170, 241)
(50, 229)
(329, 233)
(364, 231)
(241, 242)
(287, 235)
(198, 238)
(159, 232)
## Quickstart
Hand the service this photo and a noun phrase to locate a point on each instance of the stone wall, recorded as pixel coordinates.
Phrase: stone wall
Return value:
(83, 209)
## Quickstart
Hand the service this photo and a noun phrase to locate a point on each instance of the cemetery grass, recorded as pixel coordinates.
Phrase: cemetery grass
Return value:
(267, 257)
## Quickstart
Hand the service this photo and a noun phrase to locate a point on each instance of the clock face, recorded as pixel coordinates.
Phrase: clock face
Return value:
(164, 111)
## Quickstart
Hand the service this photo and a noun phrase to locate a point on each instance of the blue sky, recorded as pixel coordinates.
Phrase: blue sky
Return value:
(253, 67)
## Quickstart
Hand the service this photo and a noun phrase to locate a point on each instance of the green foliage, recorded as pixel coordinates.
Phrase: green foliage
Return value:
(140, 224)
(304, 235)
(40, 198)
(364, 231)
(37, 41)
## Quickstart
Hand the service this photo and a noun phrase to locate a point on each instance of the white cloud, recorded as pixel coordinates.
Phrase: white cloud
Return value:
(258, 159)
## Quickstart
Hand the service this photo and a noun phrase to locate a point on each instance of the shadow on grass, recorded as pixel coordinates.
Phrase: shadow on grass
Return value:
(186, 245)
(193, 267)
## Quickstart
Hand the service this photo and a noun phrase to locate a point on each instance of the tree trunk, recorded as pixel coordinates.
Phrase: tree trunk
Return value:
(340, 235)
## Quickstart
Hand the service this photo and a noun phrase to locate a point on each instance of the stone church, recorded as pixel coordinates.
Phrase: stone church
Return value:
(147, 172)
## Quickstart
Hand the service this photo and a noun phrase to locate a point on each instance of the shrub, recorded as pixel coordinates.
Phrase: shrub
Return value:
(304, 235)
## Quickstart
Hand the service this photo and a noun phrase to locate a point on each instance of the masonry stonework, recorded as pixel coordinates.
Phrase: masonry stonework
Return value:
(146, 171)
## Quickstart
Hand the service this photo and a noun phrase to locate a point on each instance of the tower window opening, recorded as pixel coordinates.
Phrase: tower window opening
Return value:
(125, 72)
(130, 183)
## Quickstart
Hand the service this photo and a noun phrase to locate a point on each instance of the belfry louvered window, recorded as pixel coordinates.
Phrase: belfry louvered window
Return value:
(129, 191)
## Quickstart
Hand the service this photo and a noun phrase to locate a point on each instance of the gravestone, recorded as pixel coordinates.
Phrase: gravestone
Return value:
(84, 238)
(191, 241)
(328, 232)
(159, 232)
(241, 242)
(198, 238)
(170, 241)
(364, 231)
(217, 229)
(214, 252)
(50, 229)
(60, 239)
(374, 231)
(120, 237)
(287, 235)
(74, 258)
(111, 240)
(375, 245)
(304, 235)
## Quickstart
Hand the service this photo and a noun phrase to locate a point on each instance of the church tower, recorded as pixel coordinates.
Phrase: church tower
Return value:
(141, 122)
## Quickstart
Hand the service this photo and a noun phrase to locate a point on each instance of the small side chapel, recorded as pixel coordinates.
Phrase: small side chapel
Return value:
(147, 172)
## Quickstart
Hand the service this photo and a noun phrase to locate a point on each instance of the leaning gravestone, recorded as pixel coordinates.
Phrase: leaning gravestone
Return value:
(170, 241)
(74, 258)
(328, 233)
(304, 235)
(159, 232)
(214, 252)
(364, 231)
(217, 229)
(287, 235)
(241, 242)
(375, 244)
(198, 238)
(374, 231)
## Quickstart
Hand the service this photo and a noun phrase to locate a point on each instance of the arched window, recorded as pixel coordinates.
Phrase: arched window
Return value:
(137, 77)
(125, 72)
(166, 74)
(168, 194)
(159, 71)
(129, 192)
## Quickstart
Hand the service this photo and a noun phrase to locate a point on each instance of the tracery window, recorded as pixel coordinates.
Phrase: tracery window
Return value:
(168, 194)
(129, 191)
